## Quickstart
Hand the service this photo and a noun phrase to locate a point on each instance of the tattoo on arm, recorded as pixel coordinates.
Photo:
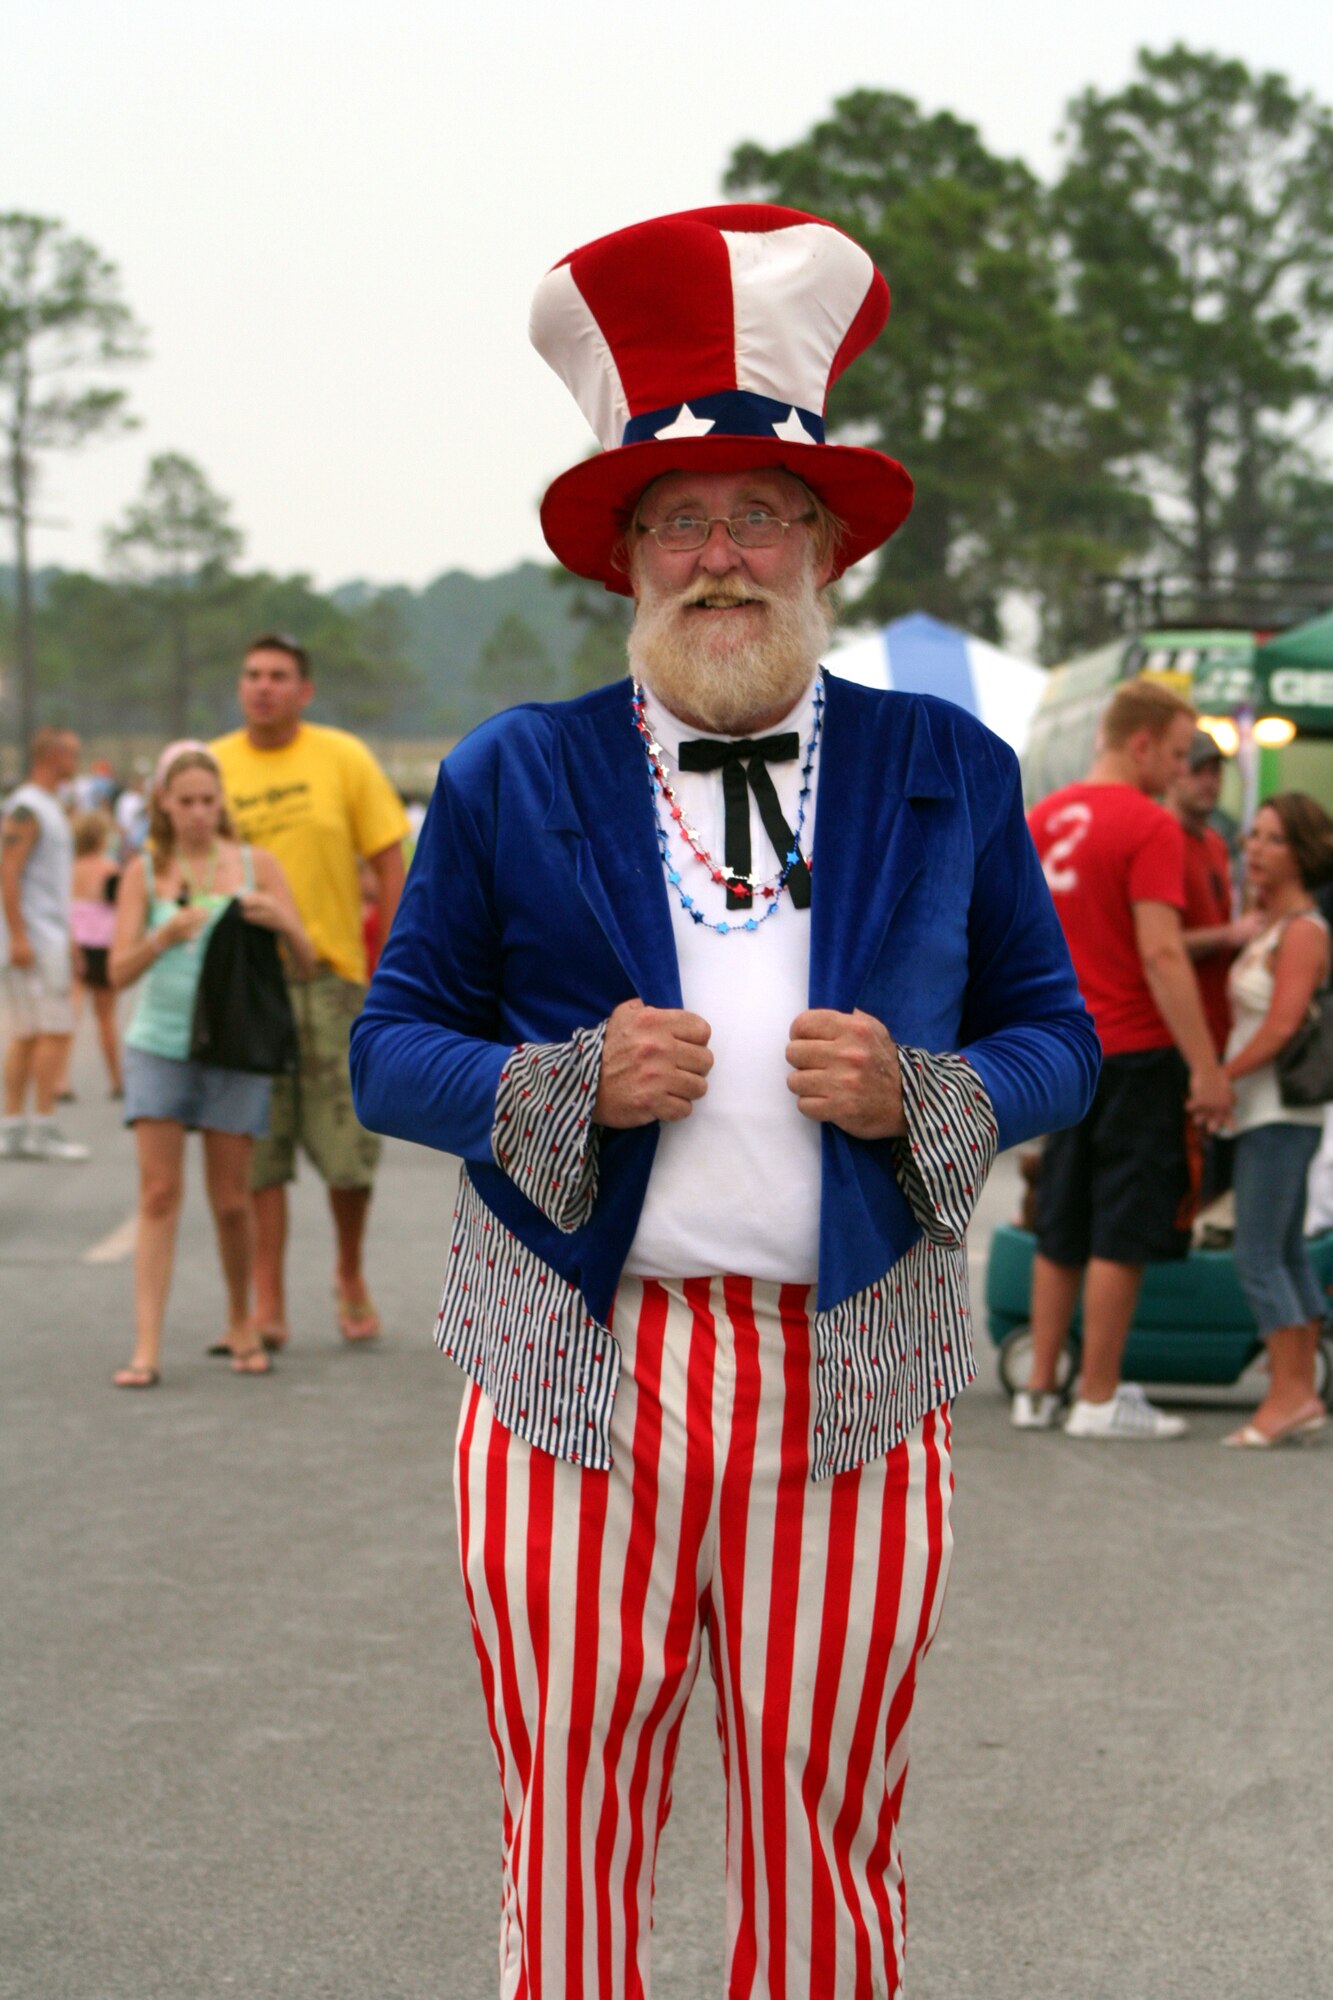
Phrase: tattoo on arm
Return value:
(20, 826)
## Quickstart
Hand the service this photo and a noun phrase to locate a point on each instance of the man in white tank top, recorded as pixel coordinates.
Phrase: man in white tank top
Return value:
(36, 859)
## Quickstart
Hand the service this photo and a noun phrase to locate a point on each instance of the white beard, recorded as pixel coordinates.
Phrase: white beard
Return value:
(721, 681)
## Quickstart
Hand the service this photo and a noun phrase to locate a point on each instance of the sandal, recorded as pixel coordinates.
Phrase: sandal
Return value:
(251, 1361)
(1306, 1424)
(357, 1318)
(137, 1376)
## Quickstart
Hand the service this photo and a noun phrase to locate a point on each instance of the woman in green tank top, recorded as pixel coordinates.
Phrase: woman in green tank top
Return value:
(170, 898)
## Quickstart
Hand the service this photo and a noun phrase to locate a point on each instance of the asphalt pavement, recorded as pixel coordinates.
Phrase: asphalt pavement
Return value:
(242, 1737)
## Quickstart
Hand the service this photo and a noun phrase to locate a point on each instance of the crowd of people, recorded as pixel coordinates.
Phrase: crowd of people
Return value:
(293, 825)
(1193, 1005)
(1197, 973)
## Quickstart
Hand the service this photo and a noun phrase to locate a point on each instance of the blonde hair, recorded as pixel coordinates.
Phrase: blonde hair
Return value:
(91, 831)
(1141, 704)
(160, 836)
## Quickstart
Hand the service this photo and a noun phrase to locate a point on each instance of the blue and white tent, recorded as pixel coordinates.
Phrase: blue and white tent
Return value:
(919, 655)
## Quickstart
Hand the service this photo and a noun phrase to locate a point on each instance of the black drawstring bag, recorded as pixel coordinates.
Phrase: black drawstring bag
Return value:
(242, 1012)
(1305, 1064)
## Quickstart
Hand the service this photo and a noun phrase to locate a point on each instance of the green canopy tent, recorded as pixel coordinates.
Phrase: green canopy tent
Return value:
(1296, 674)
(1304, 646)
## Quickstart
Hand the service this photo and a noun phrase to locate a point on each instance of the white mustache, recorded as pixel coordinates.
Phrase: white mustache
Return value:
(721, 592)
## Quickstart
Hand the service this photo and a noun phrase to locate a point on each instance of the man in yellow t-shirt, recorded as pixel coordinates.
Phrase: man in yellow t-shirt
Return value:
(317, 799)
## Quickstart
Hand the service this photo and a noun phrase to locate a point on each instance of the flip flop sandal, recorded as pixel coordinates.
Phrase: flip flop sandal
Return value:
(254, 1361)
(357, 1318)
(134, 1377)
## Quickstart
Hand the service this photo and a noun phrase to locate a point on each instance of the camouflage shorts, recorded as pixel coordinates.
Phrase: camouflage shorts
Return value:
(313, 1109)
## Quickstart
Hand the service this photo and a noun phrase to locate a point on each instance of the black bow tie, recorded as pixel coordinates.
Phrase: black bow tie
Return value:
(738, 762)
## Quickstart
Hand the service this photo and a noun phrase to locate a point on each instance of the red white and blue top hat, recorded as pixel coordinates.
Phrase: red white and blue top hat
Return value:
(709, 341)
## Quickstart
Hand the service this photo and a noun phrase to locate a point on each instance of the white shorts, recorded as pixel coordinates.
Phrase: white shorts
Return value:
(36, 998)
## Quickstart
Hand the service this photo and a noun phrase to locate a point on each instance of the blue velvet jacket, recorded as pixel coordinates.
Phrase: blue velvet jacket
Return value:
(536, 904)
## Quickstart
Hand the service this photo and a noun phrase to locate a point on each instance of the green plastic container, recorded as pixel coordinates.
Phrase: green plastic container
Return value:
(1192, 1325)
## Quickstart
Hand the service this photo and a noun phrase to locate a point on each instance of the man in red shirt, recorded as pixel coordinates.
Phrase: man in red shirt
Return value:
(1114, 1192)
(1212, 936)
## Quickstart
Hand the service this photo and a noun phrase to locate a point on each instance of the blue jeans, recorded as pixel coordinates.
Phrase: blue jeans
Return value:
(1274, 1269)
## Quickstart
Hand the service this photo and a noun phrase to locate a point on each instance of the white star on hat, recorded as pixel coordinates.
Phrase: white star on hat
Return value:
(686, 425)
(791, 430)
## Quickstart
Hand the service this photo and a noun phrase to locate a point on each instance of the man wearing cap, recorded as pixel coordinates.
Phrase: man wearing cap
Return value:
(725, 982)
(1212, 936)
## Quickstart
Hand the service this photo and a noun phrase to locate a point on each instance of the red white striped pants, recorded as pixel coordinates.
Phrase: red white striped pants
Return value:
(590, 1592)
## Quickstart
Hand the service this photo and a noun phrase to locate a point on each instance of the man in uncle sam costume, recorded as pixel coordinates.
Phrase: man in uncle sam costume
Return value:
(725, 982)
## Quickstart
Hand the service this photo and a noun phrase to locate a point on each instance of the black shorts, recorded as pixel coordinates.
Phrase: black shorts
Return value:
(1121, 1184)
(94, 964)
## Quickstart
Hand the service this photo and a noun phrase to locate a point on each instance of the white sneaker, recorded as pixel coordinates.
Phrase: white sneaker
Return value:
(1034, 1410)
(13, 1132)
(1129, 1414)
(44, 1140)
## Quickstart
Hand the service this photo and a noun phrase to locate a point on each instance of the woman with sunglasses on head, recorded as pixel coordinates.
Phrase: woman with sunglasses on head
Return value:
(1288, 853)
(171, 896)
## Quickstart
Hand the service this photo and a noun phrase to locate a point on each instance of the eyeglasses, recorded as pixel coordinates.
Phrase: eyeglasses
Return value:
(756, 528)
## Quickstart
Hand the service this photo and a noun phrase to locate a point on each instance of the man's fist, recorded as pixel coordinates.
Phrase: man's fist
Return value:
(654, 1062)
(844, 1071)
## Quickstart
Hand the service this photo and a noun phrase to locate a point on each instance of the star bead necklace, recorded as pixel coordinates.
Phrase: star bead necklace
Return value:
(660, 778)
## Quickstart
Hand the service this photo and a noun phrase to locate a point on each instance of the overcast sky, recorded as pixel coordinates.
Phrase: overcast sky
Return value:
(330, 215)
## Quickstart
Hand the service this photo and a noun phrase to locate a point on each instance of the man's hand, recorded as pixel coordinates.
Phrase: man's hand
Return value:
(654, 1062)
(21, 952)
(1211, 1099)
(844, 1071)
(1243, 930)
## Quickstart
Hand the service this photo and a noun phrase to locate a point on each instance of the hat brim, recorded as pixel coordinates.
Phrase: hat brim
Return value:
(586, 510)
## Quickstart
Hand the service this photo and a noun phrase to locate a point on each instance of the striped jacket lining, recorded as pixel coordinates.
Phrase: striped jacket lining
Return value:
(884, 1357)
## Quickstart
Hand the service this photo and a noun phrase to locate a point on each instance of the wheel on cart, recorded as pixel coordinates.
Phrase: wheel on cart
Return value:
(1014, 1361)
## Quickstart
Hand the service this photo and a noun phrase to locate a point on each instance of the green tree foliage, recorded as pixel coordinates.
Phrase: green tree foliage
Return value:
(446, 624)
(363, 674)
(602, 620)
(515, 666)
(177, 545)
(104, 662)
(1198, 209)
(1011, 414)
(61, 318)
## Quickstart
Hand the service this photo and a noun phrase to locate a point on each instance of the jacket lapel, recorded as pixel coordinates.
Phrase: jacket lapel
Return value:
(603, 803)
(876, 762)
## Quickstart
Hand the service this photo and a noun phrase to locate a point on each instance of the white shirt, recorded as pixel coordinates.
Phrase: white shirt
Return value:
(735, 1186)
(45, 884)
(1250, 990)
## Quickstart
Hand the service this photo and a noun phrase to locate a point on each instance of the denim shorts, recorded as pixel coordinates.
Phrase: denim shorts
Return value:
(194, 1094)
